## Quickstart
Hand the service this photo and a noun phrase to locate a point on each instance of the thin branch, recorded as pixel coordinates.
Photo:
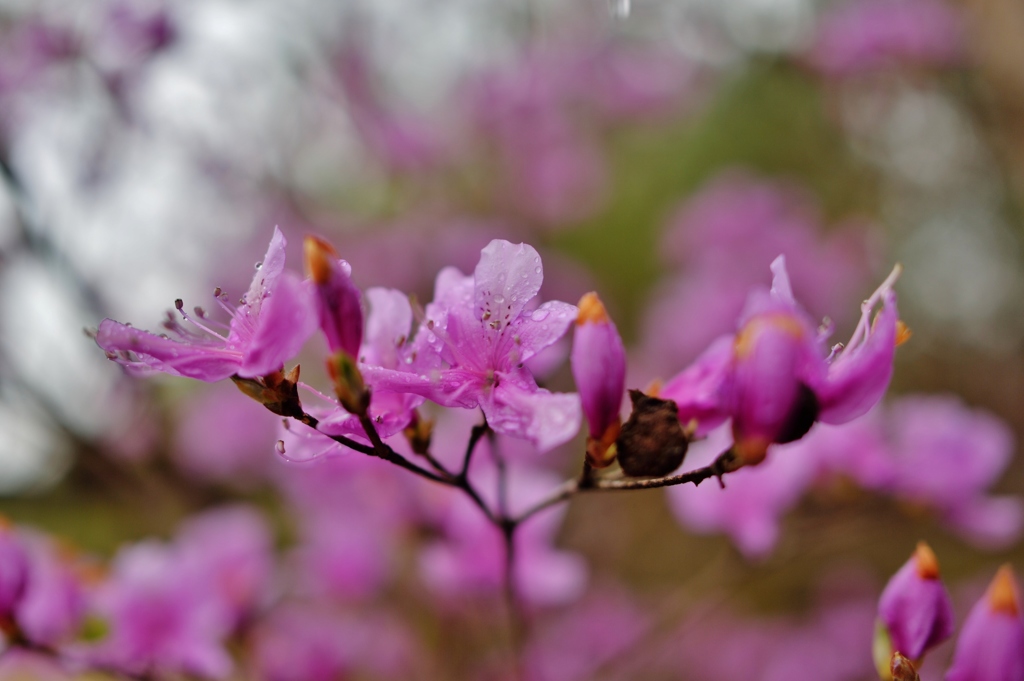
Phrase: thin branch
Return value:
(478, 432)
(726, 462)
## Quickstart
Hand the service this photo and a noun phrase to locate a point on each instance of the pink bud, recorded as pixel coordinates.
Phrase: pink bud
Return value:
(991, 644)
(338, 299)
(599, 368)
(915, 606)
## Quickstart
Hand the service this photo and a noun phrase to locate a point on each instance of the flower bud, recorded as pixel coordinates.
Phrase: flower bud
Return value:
(652, 442)
(599, 369)
(915, 608)
(278, 392)
(419, 433)
(338, 299)
(991, 644)
(348, 383)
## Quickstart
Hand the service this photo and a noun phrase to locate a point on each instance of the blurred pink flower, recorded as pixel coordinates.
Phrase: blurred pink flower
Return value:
(750, 508)
(861, 36)
(223, 436)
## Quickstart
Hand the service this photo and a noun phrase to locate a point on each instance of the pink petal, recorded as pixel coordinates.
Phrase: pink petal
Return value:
(287, 319)
(387, 326)
(205, 362)
(506, 278)
(519, 410)
(858, 378)
(703, 390)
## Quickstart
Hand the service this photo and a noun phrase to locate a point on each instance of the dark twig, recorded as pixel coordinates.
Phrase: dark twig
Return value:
(478, 432)
(726, 462)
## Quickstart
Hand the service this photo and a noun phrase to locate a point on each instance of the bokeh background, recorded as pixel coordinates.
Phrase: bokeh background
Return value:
(662, 152)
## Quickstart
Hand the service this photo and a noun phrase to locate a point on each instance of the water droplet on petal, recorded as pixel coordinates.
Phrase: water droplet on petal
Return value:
(620, 8)
(537, 270)
(259, 265)
(539, 315)
(499, 299)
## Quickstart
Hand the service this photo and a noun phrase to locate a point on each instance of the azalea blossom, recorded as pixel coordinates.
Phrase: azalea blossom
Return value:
(774, 378)
(275, 317)
(478, 332)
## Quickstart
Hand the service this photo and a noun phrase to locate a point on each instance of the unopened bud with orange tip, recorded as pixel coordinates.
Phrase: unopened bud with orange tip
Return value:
(339, 303)
(915, 612)
(991, 643)
(599, 368)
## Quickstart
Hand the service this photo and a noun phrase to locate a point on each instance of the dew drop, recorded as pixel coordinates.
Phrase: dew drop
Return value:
(536, 270)
(259, 265)
(515, 298)
(499, 299)
(539, 315)
(620, 8)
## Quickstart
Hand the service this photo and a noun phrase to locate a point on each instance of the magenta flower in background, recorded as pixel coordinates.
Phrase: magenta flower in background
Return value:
(162, 617)
(223, 436)
(750, 508)
(230, 548)
(862, 36)
(467, 561)
(599, 369)
(947, 456)
(831, 643)
(53, 605)
(401, 141)
(478, 333)
(991, 643)
(773, 378)
(603, 628)
(915, 607)
(275, 318)
(13, 569)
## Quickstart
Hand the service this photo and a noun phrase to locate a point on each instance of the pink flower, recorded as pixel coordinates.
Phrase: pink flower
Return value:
(275, 318)
(773, 379)
(478, 333)
(915, 607)
(991, 643)
(867, 35)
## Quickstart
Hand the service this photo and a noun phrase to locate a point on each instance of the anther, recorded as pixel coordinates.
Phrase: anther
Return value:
(179, 304)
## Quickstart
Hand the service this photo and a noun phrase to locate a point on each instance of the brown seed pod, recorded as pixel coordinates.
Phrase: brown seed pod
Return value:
(652, 442)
